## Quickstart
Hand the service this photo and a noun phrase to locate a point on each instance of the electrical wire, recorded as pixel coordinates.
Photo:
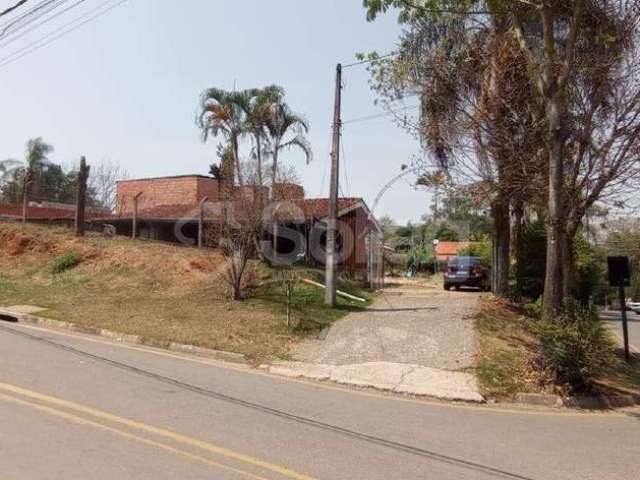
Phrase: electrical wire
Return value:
(17, 35)
(36, 12)
(370, 60)
(344, 167)
(380, 115)
(37, 45)
(10, 9)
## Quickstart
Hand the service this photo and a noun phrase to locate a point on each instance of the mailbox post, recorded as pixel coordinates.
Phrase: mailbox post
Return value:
(620, 276)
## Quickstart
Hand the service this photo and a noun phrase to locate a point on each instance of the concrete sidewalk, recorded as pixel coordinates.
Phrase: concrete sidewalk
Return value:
(395, 377)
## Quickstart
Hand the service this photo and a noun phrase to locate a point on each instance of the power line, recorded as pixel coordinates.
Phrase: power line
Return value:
(381, 115)
(37, 45)
(15, 37)
(371, 60)
(8, 10)
(344, 168)
(33, 11)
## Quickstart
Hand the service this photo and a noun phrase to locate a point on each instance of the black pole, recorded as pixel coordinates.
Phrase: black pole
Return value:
(625, 327)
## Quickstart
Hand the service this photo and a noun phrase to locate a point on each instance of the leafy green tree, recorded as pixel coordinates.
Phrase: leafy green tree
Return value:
(25, 179)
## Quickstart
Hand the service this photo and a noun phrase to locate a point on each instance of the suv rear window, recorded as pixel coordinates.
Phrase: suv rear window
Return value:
(465, 261)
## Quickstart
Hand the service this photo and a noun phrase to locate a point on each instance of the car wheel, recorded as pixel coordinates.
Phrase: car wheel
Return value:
(447, 287)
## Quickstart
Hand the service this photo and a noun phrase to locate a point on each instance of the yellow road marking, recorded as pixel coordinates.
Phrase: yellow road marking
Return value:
(130, 436)
(315, 384)
(177, 437)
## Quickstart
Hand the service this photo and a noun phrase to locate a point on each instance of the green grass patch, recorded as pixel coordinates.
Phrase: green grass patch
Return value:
(308, 305)
(66, 261)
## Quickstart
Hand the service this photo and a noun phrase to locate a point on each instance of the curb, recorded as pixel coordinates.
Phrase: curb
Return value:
(404, 379)
(595, 402)
(126, 338)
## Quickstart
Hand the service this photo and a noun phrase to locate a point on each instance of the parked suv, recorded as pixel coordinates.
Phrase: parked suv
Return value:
(634, 306)
(467, 272)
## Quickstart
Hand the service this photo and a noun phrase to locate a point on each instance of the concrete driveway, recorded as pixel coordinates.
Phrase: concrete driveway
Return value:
(411, 324)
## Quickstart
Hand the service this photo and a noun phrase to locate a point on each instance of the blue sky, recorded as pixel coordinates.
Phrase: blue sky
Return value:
(124, 88)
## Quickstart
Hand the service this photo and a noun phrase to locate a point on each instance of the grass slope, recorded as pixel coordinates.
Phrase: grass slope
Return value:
(510, 359)
(163, 292)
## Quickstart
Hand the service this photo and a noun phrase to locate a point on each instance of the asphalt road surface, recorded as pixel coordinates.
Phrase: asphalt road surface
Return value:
(614, 322)
(74, 407)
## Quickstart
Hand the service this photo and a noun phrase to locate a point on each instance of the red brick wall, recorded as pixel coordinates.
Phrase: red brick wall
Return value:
(208, 187)
(164, 191)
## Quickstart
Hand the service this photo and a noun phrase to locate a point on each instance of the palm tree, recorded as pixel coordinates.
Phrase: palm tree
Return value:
(285, 130)
(35, 162)
(221, 112)
(257, 107)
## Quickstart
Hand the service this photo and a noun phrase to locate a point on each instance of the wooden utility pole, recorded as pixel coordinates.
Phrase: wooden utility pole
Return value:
(81, 198)
(134, 226)
(330, 260)
(26, 183)
(201, 222)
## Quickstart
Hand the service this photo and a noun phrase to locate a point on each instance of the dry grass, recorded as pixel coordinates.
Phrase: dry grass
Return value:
(509, 360)
(163, 292)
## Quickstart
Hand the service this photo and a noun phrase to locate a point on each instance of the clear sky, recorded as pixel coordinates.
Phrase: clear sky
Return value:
(125, 87)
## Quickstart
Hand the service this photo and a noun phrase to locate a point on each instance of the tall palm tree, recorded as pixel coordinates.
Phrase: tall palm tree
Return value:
(257, 107)
(221, 113)
(285, 130)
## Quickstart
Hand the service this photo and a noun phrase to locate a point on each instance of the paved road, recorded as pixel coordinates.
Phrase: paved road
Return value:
(614, 321)
(76, 408)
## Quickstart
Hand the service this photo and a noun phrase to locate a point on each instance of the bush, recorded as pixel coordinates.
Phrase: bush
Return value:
(65, 261)
(577, 346)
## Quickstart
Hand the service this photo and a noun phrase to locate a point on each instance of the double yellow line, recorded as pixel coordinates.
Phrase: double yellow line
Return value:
(132, 430)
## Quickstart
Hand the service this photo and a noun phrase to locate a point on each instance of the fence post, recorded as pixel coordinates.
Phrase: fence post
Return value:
(81, 199)
(134, 229)
(201, 222)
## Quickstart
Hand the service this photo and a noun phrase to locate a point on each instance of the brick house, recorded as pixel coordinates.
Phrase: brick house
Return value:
(169, 209)
(445, 251)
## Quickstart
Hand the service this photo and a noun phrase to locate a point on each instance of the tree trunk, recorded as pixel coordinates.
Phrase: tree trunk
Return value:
(518, 242)
(569, 261)
(502, 240)
(273, 194)
(259, 159)
(553, 283)
(236, 160)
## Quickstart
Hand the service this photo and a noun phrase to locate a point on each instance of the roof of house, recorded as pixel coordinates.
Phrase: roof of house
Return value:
(36, 213)
(451, 248)
(311, 208)
(194, 175)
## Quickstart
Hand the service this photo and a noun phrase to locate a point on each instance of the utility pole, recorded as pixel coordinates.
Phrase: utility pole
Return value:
(330, 260)
(134, 221)
(81, 198)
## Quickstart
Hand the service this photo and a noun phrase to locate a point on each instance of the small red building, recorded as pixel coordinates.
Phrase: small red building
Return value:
(170, 208)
